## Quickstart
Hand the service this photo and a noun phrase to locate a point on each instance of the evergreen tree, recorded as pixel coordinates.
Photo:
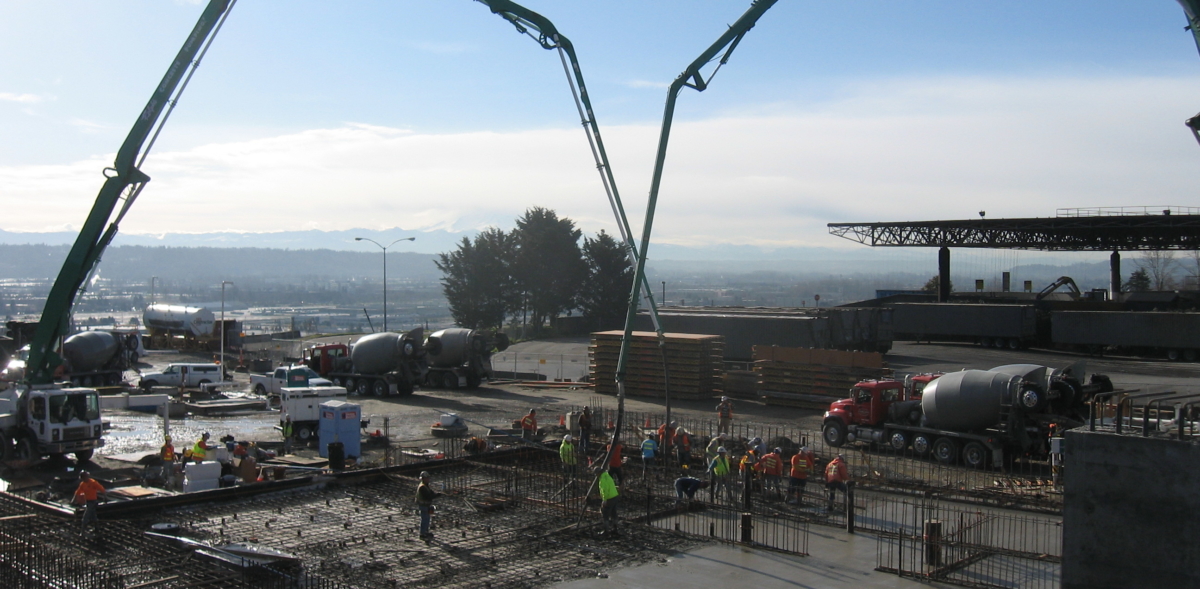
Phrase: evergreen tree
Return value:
(549, 269)
(1139, 281)
(477, 280)
(605, 296)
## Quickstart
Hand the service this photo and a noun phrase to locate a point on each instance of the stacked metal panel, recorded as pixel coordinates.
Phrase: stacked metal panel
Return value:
(694, 362)
(811, 378)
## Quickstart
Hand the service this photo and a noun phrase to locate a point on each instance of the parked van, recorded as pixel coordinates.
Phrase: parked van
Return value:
(187, 375)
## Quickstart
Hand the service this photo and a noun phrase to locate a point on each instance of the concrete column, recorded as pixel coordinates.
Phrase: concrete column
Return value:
(944, 275)
(1005, 281)
(1114, 281)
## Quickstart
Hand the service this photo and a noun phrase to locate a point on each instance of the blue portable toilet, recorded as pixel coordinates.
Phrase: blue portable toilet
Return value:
(340, 422)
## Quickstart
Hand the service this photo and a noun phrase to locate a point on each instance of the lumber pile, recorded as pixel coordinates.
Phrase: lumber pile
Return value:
(810, 377)
(694, 361)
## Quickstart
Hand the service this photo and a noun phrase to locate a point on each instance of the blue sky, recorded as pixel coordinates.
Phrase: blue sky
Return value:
(438, 115)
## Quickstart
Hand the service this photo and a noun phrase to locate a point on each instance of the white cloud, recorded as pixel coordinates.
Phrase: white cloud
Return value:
(22, 98)
(898, 150)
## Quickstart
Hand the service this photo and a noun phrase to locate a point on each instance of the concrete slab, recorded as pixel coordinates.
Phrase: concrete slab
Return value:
(837, 559)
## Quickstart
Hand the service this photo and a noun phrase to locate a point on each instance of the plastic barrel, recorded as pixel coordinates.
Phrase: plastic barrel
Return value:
(337, 456)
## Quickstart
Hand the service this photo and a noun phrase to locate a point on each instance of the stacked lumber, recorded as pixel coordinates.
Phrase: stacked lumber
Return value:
(810, 377)
(694, 361)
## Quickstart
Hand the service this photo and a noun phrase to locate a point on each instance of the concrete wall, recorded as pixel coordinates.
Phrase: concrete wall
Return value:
(1131, 513)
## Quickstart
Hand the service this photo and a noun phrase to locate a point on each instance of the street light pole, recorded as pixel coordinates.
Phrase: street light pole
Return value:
(152, 281)
(385, 248)
(223, 284)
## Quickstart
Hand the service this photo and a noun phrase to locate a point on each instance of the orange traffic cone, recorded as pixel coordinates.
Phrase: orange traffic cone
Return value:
(562, 421)
(610, 425)
(647, 426)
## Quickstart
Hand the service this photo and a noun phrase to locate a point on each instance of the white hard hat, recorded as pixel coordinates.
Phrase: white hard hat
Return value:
(424, 474)
(724, 398)
(567, 438)
(721, 450)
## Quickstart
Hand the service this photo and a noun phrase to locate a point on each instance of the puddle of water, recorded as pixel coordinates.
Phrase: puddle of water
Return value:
(141, 432)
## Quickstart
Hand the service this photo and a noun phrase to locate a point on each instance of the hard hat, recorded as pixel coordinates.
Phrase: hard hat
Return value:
(779, 450)
(721, 450)
(567, 438)
(674, 423)
(724, 398)
(804, 448)
(424, 474)
(167, 438)
(722, 436)
(204, 435)
(839, 457)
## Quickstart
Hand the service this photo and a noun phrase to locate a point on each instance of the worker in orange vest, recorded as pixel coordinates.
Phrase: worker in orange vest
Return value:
(87, 494)
(837, 474)
(724, 415)
(683, 446)
(771, 467)
(615, 462)
(529, 425)
(802, 465)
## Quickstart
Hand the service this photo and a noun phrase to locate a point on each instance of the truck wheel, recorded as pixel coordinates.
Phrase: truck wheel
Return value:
(24, 448)
(834, 433)
(337, 381)
(84, 455)
(474, 381)
(350, 388)
(450, 380)
(1189, 355)
(922, 445)
(404, 388)
(149, 384)
(364, 386)
(985, 342)
(1173, 355)
(87, 380)
(945, 450)
(381, 388)
(304, 433)
(975, 455)
(203, 382)
(898, 441)
(1014, 344)
(274, 402)
(260, 390)
(133, 358)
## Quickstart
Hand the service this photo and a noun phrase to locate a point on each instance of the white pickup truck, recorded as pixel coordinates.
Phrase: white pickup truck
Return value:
(272, 383)
(186, 375)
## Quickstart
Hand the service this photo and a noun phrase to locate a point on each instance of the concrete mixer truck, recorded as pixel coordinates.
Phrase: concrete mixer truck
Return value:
(381, 364)
(458, 357)
(984, 417)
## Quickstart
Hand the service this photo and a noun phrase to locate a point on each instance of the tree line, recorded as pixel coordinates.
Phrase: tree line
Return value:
(536, 272)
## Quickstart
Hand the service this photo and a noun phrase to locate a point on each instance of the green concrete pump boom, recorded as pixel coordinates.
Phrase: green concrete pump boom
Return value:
(123, 181)
(1191, 9)
(692, 78)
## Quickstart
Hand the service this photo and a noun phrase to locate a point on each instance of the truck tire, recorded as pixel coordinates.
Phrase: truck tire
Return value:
(945, 450)
(381, 388)
(404, 388)
(203, 382)
(364, 386)
(1014, 344)
(922, 445)
(975, 455)
(260, 390)
(149, 384)
(133, 358)
(834, 433)
(450, 380)
(84, 455)
(1189, 355)
(898, 440)
(337, 381)
(1173, 355)
(24, 448)
(304, 433)
(351, 389)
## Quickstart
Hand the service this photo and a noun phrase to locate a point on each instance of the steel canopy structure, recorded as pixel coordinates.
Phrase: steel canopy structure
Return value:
(1096, 229)
(1113, 229)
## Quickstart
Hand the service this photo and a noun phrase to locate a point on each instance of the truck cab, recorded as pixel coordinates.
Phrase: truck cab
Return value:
(53, 421)
(324, 359)
(186, 375)
(873, 403)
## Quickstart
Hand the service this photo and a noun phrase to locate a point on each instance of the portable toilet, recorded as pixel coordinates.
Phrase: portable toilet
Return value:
(340, 422)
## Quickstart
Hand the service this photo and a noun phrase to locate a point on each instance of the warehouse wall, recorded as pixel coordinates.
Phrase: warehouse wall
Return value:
(1131, 513)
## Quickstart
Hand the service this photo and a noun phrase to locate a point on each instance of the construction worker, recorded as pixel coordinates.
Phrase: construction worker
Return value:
(719, 470)
(585, 429)
(710, 451)
(686, 485)
(167, 452)
(771, 467)
(724, 415)
(802, 465)
(424, 499)
(837, 474)
(529, 425)
(683, 446)
(666, 437)
(616, 462)
(87, 494)
(608, 505)
(286, 430)
(569, 457)
(748, 462)
(649, 449)
(200, 449)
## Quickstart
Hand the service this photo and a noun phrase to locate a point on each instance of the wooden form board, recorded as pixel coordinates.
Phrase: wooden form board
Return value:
(695, 363)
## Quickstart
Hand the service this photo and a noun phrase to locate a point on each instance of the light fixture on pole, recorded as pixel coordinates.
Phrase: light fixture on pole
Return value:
(385, 248)
(223, 284)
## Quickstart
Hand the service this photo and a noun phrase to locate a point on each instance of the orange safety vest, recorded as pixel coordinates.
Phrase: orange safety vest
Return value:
(802, 464)
(837, 471)
(615, 462)
(771, 464)
(725, 410)
(168, 452)
(88, 490)
(529, 422)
